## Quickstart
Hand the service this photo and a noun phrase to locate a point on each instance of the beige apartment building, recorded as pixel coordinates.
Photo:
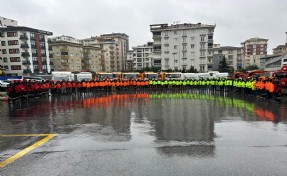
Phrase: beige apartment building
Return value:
(252, 50)
(113, 49)
(232, 54)
(68, 54)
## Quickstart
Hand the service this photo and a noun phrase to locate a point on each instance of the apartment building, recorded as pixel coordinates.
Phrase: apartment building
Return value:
(252, 50)
(277, 60)
(129, 60)
(122, 41)
(180, 46)
(69, 54)
(232, 54)
(24, 50)
(143, 56)
(114, 49)
(108, 52)
(4, 22)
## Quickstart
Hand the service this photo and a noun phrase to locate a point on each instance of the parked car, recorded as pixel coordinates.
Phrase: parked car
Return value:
(3, 85)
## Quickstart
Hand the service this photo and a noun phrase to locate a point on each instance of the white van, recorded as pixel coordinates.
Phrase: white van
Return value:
(87, 76)
(193, 76)
(204, 75)
(173, 76)
(62, 75)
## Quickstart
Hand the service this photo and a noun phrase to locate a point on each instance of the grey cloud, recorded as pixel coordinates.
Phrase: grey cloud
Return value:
(236, 20)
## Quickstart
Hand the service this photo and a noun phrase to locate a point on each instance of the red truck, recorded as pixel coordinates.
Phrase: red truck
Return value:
(281, 75)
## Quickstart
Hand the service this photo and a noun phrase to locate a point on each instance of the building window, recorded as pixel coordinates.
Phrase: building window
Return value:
(15, 67)
(184, 33)
(175, 47)
(3, 43)
(192, 54)
(166, 34)
(184, 54)
(175, 39)
(13, 42)
(36, 67)
(184, 39)
(32, 35)
(202, 53)
(175, 32)
(14, 59)
(183, 47)
(13, 51)
(202, 37)
(202, 46)
(192, 39)
(175, 61)
(230, 57)
(5, 59)
(192, 45)
(12, 34)
(4, 51)
(230, 52)
(33, 44)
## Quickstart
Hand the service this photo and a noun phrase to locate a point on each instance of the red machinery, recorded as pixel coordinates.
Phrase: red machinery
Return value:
(281, 75)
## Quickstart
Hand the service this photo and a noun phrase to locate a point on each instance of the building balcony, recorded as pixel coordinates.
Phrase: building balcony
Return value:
(32, 38)
(26, 62)
(43, 55)
(36, 70)
(156, 36)
(65, 63)
(24, 45)
(23, 37)
(51, 63)
(25, 54)
(44, 62)
(50, 48)
(157, 50)
(43, 47)
(51, 56)
(27, 71)
(34, 55)
(35, 62)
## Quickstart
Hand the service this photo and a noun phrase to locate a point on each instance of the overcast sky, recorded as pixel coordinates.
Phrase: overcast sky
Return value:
(236, 20)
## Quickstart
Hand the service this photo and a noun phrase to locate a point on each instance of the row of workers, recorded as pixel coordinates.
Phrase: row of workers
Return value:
(61, 87)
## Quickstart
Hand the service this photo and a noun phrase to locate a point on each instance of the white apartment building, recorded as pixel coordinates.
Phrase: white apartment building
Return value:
(24, 50)
(143, 56)
(252, 50)
(4, 22)
(181, 46)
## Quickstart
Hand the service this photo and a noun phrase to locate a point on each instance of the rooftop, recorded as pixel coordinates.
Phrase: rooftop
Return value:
(23, 28)
(165, 26)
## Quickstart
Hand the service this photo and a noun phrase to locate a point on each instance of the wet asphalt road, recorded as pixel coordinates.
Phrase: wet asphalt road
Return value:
(159, 133)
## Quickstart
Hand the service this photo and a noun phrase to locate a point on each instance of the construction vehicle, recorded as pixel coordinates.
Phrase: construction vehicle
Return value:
(281, 76)
(131, 75)
(150, 75)
(104, 76)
